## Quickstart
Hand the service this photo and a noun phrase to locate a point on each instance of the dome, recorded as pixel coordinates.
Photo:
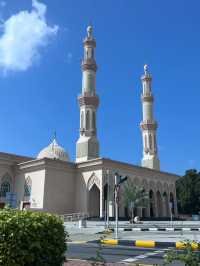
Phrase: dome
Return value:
(54, 151)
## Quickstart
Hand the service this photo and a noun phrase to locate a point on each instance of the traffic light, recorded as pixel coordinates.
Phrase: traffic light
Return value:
(120, 179)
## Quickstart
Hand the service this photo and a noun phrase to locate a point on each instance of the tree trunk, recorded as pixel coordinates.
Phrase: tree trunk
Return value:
(132, 215)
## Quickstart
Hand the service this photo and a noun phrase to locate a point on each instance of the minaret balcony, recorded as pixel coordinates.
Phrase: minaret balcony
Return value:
(148, 125)
(147, 98)
(89, 64)
(88, 100)
(89, 42)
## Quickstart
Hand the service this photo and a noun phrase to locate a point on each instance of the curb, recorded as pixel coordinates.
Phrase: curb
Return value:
(160, 229)
(148, 244)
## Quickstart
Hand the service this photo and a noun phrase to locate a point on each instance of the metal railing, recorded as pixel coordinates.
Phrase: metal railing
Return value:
(74, 216)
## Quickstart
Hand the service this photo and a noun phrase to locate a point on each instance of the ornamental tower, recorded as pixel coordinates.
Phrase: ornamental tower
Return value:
(148, 125)
(87, 146)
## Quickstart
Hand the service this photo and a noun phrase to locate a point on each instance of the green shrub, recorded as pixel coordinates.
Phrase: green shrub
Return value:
(190, 255)
(31, 239)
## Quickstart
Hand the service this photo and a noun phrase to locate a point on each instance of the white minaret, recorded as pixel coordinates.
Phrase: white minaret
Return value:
(148, 125)
(87, 146)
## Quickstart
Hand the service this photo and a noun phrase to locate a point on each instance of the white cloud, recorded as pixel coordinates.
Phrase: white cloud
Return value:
(23, 35)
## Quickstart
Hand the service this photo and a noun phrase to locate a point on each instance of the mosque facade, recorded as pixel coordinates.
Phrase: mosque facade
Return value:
(51, 182)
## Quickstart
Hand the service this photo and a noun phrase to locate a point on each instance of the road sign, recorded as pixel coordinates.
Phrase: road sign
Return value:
(11, 199)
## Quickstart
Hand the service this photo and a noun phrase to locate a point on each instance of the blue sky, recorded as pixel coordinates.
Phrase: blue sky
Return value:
(40, 75)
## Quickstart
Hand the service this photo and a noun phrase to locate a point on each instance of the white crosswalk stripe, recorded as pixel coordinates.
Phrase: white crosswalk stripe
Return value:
(144, 256)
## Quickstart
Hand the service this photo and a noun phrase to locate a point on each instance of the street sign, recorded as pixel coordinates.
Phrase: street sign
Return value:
(11, 199)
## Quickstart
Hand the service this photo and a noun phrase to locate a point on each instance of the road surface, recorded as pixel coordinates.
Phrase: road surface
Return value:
(119, 254)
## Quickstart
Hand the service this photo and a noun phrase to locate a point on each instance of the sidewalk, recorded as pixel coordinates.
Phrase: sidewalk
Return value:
(92, 234)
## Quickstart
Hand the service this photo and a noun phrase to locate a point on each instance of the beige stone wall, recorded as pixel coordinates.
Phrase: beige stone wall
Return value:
(59, 192)
(34, 171)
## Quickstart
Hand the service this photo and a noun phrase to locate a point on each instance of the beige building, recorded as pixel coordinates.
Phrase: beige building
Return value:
(52, 183)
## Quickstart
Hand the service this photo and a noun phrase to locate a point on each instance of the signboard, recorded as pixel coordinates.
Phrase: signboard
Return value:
(11, 199)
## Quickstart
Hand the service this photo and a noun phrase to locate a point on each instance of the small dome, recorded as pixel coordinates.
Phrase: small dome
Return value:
(53, 151)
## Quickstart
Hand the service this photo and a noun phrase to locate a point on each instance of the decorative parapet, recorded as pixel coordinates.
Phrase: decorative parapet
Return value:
(148, 125)
(88, 100)
(89, 64)
(146, 77)
(89, 42)
(147, 98)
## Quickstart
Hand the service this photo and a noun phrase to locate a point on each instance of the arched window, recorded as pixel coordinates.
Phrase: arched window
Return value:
(171, 200)
(82, 119)
(145, 142)
(87, 120)
(27, 187)
(5, 187)
(152, 203)
(150, 142)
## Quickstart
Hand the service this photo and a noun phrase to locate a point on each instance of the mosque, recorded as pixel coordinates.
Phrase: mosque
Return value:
(52, 183)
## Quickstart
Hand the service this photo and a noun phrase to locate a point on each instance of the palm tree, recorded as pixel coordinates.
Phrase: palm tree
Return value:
(134, 196)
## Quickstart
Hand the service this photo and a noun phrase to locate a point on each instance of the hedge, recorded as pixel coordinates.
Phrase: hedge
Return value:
(31, 239)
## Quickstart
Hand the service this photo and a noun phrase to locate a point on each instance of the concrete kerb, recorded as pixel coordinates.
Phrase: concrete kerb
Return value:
(160, 229)
(148, 244)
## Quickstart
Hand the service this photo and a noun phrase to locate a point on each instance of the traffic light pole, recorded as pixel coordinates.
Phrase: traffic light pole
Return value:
(116, 207)
(108, 197)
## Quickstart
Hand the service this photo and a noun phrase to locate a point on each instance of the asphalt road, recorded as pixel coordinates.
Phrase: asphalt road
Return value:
(118, 254)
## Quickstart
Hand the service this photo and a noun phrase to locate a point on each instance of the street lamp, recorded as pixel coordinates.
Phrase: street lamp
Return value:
(118, 181)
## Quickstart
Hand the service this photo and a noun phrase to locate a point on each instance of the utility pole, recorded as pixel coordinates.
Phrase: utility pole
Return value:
(116, 206)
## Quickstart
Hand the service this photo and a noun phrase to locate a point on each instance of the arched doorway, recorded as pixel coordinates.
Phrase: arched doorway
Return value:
(159, 204)
(171, 203)
(165, 204)
(105, 193)
(152, 203)
(94, 201)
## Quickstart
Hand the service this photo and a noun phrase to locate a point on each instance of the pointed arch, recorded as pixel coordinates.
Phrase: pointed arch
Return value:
(6, 185)
(27, 187)
(6, 177)
(94, 201)
(93, 180)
